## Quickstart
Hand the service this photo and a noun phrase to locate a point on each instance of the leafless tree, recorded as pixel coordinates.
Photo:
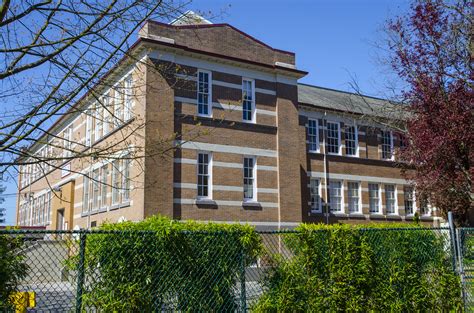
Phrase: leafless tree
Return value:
(52, 55)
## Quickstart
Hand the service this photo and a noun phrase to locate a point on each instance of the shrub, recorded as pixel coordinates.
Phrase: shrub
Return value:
(348, 268)
(12, 267)
(160, 264)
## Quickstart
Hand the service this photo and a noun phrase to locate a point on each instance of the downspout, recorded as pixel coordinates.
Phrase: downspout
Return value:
(326, 174)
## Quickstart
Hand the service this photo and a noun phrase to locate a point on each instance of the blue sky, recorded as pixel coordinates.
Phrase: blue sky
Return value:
(333, 40)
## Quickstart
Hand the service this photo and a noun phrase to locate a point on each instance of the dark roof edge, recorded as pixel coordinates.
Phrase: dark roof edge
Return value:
(346, 92)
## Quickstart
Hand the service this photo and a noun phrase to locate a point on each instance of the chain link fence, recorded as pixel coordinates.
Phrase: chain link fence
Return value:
(465, 246)
(199, 271)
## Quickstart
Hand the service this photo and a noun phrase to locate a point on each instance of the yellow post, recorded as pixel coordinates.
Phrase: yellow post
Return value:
(23, 300)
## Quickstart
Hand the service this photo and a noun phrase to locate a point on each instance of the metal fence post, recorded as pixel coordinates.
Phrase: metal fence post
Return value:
(80, 271)
(453, 238)
(243, 292)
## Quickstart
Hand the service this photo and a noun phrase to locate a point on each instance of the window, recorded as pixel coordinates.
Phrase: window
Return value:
(374, 198)
(390, 199)
(204, 93)
(314, 194)
(249, 179)
(333, 138)
(99, 121)
(408, 199)
(387, 145)
(126, 179)
(116, 182)
(204, 176)
(313, 139)
(353, 197)
(128, 98)
(95, 189)
(118, 107)
(248, 100)
(88, 128)
(335, 196)
(103, 186)
(85, 197)
(48, 207)
(351, 140)
(67, 136)
(106, 113)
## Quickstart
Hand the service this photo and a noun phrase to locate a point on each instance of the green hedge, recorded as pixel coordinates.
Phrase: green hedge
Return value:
(12, 267)
(159, 264)
(347, 268)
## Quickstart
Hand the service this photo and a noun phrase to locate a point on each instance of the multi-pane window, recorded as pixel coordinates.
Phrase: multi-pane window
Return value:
(106, 113)
(248, 100)
(116, 182)
(99, 122)
(89, 122)
(315, 196)
(48, 207)
(67, 136)
(103, 186)
(204, 175)
(204, 93)
(387, 144)
(249, 179)
(333, 137)
(313, 140)
(85, 196)
(408, 199)
(118, 107)
(126, 179)
(95, 189)
(353, 197)
(351, 140)
(390, 199)
(335, 196)
(128, 98)
(374, 198)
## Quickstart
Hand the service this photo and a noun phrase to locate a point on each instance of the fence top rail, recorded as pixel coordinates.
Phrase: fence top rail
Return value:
(134, 231)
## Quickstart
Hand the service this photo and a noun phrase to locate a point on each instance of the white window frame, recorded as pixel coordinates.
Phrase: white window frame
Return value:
(252, 103)
(67, 147)
(395, 205)
(356, 140)
(209, 93)
(89, 123)
(106, 128)
(85, 193)
(128, 98)
(339, 150)
(379, 195)
(116, 177)
(99, 121)
(359, 197)
(316, 207)
(126, 167)
(96, 195)
(331, 199)
(413, 206)
(104, 173)
(254, 178)
(389, 132)
(313, 139)
(209, 174)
